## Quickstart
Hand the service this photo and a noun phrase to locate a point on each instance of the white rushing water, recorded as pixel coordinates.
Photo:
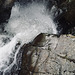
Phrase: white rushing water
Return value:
(25, 23)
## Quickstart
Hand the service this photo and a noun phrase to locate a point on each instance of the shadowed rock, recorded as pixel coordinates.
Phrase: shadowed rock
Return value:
(5, 11)
(65, 20)
(56, 57)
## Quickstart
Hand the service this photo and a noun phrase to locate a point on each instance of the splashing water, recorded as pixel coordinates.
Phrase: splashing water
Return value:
(25, 23)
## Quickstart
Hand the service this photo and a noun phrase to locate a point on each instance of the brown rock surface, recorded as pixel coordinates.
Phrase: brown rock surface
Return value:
(55, 57)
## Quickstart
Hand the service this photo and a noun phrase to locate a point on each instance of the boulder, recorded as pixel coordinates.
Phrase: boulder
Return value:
(5, 10)
(55, 57)
(66, 19)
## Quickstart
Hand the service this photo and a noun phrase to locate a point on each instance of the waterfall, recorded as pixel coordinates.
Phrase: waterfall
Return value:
(25, 23)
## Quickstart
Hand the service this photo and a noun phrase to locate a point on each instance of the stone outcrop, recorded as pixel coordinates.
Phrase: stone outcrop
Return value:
(54, 56)
(5, 11)
(66, 18)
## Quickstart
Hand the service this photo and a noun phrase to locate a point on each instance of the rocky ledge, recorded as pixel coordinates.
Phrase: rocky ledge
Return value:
(49, 56)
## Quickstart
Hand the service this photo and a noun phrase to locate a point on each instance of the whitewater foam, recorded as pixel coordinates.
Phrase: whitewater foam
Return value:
(32, 16)
(24, 24)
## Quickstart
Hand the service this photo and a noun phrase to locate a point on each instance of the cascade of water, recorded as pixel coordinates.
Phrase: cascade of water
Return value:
(24, 24)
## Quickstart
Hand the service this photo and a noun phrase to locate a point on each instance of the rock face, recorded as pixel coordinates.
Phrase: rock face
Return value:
(5, 11)
(66, 18)
(56, 56)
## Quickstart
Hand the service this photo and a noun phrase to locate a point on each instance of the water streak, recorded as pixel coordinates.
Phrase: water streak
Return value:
(25, 23)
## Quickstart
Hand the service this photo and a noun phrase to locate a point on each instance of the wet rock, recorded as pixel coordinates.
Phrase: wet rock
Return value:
(65, 10)
(39, 40)
(55, 57)
(26, 66)
(5, 11)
